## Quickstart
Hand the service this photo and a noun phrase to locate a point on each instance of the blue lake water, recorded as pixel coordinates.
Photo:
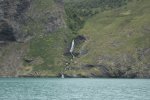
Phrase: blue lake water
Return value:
(74, 89)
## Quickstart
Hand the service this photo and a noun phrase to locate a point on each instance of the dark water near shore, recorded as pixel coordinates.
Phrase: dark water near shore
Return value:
(74, 89)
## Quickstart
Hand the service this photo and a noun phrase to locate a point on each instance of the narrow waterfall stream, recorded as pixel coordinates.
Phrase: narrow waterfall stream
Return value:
(62, 76)
(71, 51)
(72, 48)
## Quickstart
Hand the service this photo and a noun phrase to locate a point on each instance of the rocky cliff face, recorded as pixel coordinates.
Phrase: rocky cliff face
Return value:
(12, 17)
(11, 49)
(19, 23)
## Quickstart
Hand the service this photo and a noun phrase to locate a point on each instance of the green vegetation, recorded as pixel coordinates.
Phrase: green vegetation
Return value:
(46, 48)
(113, 34)
(112, 39)
(78, 11)
(116, 31)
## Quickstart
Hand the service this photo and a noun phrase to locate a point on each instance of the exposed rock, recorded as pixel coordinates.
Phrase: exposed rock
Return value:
(79, 39)
(89, 66)
(12, 17)
(17, 22)
(28, 60)
(6, 31)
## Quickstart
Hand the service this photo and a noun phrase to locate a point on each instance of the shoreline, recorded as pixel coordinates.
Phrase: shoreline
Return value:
(52, 77)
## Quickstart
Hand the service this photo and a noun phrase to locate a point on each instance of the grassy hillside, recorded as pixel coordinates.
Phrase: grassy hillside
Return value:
(45, 54)
(112, 38)
(78, 11)
(118, 41)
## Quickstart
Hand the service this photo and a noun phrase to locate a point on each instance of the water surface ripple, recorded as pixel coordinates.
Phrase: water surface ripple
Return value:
(74, 89)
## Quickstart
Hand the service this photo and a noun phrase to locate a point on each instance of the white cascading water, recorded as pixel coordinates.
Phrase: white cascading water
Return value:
(62, 76)
(71, 51)
(72, 48)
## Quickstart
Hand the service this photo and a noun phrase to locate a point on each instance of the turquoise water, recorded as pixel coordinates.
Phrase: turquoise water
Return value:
(74, 89)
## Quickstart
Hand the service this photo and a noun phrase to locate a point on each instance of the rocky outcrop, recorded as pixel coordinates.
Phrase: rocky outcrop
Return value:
(13, 16)
(78, 42)
(19, 20)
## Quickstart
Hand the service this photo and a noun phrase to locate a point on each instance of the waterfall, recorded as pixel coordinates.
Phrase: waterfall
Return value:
(72, 48)
(62, 76)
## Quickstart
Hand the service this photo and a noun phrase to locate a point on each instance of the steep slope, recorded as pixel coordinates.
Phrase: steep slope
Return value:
(117, 43)
(112, 38)
(32, 33)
